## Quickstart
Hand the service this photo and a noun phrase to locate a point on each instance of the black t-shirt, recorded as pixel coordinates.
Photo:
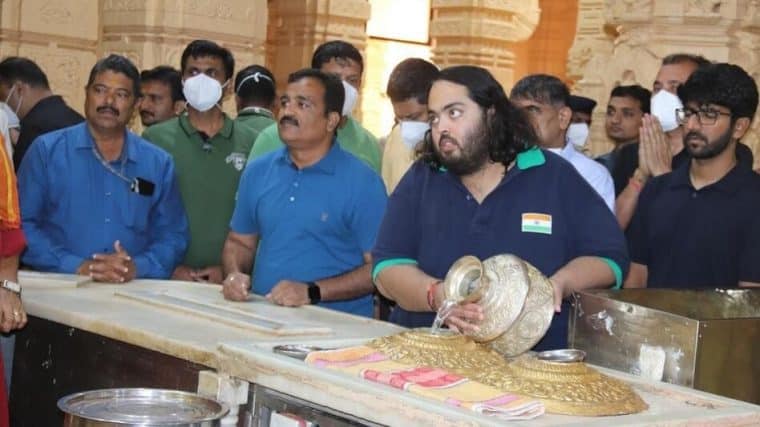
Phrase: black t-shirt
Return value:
(622, 163)
(47, 115)
(702, 238)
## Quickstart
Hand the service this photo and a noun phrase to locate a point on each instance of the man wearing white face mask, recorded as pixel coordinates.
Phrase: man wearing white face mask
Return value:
(408, 88)
(210, 151)
(343, 60)
(29, 102)
(580, 122)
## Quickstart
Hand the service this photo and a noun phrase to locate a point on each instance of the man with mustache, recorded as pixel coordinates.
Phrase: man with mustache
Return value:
(98, 200)
(309, 211)
(482, 187)
(697, 226)
(210, 151)
(162, 97)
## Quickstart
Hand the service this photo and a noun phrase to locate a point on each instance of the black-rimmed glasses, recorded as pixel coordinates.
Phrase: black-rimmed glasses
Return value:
(706, 116)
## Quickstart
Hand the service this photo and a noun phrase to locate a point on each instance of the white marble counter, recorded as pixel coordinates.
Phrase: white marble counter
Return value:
(248, 355)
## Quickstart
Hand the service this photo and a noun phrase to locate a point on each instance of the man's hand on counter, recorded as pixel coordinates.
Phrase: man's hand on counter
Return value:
(12, 313)
(235, 286)
(117, 267)
(289, 293)
(211, 274)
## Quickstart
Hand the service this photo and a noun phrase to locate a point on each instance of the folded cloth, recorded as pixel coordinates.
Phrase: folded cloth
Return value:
(10, 216)
(434, 383)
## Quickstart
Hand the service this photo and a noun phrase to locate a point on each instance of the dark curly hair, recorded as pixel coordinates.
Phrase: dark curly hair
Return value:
(722, 84)
(508, 131)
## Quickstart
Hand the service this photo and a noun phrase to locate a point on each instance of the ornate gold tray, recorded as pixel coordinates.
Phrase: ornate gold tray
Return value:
(564, 388)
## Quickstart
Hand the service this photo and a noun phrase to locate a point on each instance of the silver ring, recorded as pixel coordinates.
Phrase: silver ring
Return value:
(16, 314)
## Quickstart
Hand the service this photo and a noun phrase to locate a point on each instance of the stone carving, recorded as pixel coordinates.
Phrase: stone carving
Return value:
(124, 5)
(479, 33)
(627, 45)
(54, 13)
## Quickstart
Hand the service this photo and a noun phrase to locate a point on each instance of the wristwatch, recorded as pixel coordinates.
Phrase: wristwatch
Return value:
(315, 294)
(11, 286)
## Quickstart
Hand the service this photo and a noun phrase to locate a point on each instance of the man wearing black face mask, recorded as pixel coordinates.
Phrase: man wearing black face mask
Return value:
(697, 226)
(210, 150)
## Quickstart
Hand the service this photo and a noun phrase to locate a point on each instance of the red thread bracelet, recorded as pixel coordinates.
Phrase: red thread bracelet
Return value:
(431, 294)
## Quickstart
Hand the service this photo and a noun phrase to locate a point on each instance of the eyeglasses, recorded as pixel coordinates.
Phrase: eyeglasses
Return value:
(706, 117)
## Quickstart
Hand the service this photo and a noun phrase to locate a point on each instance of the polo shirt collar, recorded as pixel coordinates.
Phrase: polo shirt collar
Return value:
(327, 164)
(187, 127)
(732, 182)
(88, 142)
(530, 158)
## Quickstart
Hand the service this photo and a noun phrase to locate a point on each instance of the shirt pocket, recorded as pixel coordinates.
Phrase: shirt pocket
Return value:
(136, 213)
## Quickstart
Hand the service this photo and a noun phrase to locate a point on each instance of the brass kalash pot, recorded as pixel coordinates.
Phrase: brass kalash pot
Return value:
(518, 307)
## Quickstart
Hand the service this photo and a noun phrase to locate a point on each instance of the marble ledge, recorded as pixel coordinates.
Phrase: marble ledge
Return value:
(95, 308)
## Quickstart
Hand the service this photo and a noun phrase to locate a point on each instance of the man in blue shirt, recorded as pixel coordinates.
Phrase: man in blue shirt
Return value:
(97, 199)
(481, 187)
(312, 208)
(697, 226)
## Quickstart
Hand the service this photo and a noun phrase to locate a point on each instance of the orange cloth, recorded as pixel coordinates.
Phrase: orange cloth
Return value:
(433, 383)
(10, 215)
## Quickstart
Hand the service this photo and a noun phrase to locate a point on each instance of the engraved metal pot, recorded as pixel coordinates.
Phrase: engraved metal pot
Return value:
(517, 300)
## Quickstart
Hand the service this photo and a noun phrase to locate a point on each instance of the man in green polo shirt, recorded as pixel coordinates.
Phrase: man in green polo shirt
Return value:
(344, 60)
(209, 151)
(254, 97)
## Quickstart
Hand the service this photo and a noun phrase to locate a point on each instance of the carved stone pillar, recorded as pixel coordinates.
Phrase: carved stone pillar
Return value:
(624, 41)
(297, 27)
(60, 36)
(481, 33)
(155, 33)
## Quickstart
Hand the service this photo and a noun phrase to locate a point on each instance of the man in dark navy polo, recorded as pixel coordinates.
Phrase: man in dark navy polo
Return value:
(312, 209)
(698, 226)
(481, 187)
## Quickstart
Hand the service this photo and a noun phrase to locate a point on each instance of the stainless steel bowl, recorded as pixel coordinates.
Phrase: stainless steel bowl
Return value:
(140, 407)
(567, 355)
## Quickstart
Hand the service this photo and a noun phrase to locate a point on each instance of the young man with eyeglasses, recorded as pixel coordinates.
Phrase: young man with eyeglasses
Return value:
(697, 226)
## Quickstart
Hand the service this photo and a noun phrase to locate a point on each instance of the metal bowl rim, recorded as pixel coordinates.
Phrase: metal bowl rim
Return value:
(64, 403)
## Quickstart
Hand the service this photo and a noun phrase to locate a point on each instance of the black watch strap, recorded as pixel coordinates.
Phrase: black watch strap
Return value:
(315, 294)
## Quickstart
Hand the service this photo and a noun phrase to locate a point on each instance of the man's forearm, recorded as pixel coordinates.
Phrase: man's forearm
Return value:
(407, 285)
(584, 272)
(355, 283)
(9, 268)
(237, 254)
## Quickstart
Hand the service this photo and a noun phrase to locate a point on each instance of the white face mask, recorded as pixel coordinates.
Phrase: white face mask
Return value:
(13, 121)
(663, 106)
(413, 132)
(351, 96)
(577, 134)
(202, 92)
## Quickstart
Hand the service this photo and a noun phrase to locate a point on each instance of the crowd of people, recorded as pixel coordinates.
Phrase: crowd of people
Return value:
(295, 200)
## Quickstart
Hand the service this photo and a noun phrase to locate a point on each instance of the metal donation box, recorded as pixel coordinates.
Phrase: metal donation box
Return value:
(705, 339)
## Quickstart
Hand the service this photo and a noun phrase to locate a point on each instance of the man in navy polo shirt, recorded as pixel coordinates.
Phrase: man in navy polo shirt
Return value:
(698, 226)
(312, 208)
(475, 190)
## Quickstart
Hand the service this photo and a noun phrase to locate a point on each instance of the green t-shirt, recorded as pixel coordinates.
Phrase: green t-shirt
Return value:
(352, 137)
(255, 118)
(208, 173)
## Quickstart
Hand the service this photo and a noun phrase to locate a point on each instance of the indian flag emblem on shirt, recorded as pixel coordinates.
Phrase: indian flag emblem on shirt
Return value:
(536, 223)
